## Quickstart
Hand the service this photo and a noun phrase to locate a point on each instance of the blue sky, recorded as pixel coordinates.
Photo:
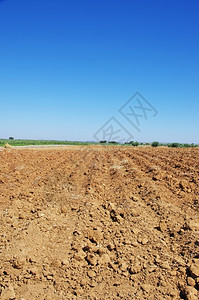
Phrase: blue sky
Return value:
(66, 67)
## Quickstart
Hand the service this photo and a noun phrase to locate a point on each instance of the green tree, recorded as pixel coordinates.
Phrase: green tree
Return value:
(103, 142)
(175, 145)
(135, 144)
(155, 144)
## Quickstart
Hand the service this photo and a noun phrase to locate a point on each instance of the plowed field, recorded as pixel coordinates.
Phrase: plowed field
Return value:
(99, 222)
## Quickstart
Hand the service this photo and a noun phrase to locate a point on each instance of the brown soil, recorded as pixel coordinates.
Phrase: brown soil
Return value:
(99, 223)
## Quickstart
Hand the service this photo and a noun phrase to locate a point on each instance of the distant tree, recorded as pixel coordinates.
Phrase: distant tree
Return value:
(155, 144)
(103, 142)
(135, 144)
(175, 145)
(186, 145)
(11, 138)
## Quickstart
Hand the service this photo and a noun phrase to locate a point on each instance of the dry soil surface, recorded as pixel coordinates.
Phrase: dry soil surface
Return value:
(99, 223)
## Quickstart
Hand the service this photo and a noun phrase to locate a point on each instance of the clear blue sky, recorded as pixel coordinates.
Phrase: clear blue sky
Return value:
(67, 66)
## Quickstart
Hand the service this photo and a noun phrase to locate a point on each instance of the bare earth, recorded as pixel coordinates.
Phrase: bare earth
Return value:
(96, 222)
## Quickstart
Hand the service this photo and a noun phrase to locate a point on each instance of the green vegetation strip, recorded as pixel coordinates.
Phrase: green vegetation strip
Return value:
(23, 142)
(38, 142)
